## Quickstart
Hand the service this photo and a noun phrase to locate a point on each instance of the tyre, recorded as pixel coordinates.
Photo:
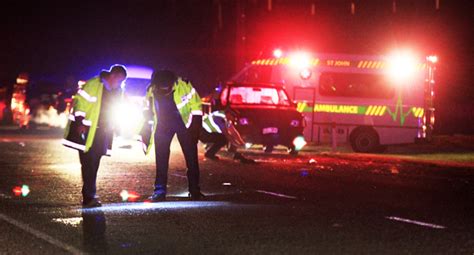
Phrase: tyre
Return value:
(268, 148)
(365, 140)
(292, 151)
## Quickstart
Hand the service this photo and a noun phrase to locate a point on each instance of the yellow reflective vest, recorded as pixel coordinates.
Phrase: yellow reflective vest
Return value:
(187, 101)
(85, 111)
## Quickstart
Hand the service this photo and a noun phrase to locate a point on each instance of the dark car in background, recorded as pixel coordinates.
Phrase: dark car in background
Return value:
(263, 114)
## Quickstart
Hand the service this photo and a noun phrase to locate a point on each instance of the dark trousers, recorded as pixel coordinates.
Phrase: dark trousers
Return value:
(216, 140)
(90, 162)
(163, 138)
(89, 165)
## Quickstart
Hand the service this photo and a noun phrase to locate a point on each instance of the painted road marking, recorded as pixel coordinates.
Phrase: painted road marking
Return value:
(179, 175)
(276, 194)
(424, 224)
(41, 235)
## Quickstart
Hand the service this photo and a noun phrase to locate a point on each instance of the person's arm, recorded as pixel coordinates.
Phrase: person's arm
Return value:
(195, 104)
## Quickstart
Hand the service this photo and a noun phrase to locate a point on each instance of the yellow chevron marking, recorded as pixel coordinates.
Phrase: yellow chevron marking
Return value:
(373, 110)
(379, 108)
(368, 110)
(382, 112)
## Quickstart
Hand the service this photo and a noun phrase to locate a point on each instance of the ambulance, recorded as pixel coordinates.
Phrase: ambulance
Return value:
(366, 101)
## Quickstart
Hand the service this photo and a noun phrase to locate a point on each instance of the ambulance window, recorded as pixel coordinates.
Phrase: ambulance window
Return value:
(355, 85)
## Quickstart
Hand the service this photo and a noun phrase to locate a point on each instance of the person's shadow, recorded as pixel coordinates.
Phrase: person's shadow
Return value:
(93, 228)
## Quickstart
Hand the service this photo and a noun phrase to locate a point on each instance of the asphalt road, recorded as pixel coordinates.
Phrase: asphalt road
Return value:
(316, 203)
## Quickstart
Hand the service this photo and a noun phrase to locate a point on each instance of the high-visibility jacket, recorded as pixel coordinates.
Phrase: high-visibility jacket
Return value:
(214, 122)
(187, 100)
(85, 111)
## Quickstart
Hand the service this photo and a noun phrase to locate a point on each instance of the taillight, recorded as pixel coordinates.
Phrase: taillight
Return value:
(243, 121)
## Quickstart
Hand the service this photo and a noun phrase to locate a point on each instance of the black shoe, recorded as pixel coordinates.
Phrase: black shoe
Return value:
(91, 203)
(213, 157)
(157, 197)
(196, 196)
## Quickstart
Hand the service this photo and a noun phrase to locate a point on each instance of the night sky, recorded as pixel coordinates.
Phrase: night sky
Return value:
(61, 42)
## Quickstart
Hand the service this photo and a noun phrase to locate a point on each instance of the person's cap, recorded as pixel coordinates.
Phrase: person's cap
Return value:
(117, 68)
(163, 78)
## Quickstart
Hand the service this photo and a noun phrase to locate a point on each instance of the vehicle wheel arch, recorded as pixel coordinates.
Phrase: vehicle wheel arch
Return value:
(365, 139)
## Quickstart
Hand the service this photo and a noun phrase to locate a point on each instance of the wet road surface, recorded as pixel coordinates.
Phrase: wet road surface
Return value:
(311, 204)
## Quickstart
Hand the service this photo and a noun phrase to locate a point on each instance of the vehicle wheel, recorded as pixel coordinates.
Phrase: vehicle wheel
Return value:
(268, 148)
(292, 151)
(365, 140)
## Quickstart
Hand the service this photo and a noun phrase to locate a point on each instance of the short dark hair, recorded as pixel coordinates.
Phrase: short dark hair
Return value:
(163, 78)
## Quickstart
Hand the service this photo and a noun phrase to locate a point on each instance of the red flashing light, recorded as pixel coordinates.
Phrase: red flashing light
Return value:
(277, 53)
(17, 191)
(433, 58)
(300, 60)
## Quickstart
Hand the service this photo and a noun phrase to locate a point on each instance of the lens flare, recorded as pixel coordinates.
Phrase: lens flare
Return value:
(17, 191)
(129, 196)
(300, 60)
(299, 143)
(21, 191)
(277, 53)
(402, 66)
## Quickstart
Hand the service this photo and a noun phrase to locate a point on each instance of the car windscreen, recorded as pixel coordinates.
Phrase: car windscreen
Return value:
(258, 96)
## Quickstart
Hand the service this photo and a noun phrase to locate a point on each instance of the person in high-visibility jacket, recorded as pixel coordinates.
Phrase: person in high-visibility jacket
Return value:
(173, 107)
(216, 133)
(90, 126)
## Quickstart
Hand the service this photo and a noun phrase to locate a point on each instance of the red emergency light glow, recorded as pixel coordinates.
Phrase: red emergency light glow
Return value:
(402, 65)
(300, 60)
(23, 190)
(305, 74)
(277, 53)
(433, 59)
(129, 196)
(17, 191)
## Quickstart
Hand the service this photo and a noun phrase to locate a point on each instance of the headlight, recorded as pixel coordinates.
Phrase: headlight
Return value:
(127, 116)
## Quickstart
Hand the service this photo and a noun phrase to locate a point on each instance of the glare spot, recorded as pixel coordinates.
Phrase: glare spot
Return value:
(75, 221)
(129, 196)
(23, 190)
(122, 207)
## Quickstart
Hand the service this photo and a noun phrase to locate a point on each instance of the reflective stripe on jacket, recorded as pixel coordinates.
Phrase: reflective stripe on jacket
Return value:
(214, 122)
(187, 101)
(85, 111)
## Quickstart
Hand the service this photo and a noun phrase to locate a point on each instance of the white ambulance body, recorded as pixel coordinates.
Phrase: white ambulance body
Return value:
(368, 101)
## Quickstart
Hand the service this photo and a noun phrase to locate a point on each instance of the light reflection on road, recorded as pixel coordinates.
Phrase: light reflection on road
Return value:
(146, 206)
